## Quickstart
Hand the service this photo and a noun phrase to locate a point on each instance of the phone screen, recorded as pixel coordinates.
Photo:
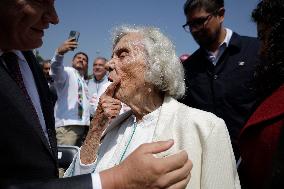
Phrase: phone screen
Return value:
(74, 34)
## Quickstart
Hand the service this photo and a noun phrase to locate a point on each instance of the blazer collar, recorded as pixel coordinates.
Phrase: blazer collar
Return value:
(46, 106)
(165, 127)
(235, 41)
(270, 108)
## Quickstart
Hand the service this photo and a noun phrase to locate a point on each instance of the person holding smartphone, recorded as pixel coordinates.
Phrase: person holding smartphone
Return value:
(72, 116)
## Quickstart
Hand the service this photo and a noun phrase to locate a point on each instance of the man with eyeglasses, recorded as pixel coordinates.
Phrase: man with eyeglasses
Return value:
(220, 73)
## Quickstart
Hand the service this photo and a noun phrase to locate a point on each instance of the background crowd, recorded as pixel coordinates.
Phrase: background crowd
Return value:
(230, 77)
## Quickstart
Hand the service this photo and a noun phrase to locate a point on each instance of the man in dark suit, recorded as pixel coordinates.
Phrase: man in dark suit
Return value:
(27, 138)
(219, 75)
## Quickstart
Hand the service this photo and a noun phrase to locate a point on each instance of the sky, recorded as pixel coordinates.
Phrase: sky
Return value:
(95, 19)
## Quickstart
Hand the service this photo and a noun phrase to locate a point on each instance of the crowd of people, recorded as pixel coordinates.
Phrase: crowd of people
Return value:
(146, 118)
(75, 96)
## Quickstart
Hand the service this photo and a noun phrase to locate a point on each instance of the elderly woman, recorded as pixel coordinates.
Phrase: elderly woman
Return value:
(148, 77)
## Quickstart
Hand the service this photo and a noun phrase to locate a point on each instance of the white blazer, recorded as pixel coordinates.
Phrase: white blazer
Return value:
(205, 138)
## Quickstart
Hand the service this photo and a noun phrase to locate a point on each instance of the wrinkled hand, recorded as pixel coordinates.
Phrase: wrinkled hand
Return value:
(142, 170)
(68, 45)
(110, 106)
(107, 109)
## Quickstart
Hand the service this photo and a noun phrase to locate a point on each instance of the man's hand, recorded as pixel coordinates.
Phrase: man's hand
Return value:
(68, 45)
(142, 170)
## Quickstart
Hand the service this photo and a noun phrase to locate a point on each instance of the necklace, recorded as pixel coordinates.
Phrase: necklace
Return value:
(133, 131)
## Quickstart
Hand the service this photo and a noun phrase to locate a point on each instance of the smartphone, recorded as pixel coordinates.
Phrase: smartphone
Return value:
(74, 34)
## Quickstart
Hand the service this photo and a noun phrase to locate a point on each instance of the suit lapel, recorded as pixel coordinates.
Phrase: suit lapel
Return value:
(164, 129)
(12, 89)
(46, 105)
(233, 63)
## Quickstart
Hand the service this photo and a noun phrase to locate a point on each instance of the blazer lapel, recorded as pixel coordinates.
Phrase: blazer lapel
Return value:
(164, 129)
(13, 91)
(46, 104)
(234, 63)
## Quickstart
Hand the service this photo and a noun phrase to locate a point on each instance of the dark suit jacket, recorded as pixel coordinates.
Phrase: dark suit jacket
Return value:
(26, 156)
(227, 88)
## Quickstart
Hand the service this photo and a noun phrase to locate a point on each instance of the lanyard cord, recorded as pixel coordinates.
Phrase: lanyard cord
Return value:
(133, 131)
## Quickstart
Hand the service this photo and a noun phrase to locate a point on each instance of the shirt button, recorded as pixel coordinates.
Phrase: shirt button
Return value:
(215, 77)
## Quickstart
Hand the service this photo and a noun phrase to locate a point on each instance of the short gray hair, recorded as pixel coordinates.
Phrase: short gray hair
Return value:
(165, 70)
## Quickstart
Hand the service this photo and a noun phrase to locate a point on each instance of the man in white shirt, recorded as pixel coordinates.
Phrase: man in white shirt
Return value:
(98, 84)
(72, 116)
(27, 139)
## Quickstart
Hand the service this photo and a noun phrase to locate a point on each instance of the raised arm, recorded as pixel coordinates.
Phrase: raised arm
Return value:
(107, 109)
(57, 67)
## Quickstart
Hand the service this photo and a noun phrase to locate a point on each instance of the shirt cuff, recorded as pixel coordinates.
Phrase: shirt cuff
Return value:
(85, 168)
(96, 181)
(58, 58)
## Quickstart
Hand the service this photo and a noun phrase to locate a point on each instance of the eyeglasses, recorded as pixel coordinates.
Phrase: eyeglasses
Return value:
(197, 24)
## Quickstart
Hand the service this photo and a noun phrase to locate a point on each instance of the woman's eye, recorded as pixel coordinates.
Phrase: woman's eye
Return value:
(123, 54)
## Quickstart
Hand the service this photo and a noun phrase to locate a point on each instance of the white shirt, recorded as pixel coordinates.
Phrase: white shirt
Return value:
(66, 82)
(96, 89)
(30, 85)
(117, 142)
(215, 56)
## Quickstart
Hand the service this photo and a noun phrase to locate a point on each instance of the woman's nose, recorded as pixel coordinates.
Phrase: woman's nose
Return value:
(109, 66)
